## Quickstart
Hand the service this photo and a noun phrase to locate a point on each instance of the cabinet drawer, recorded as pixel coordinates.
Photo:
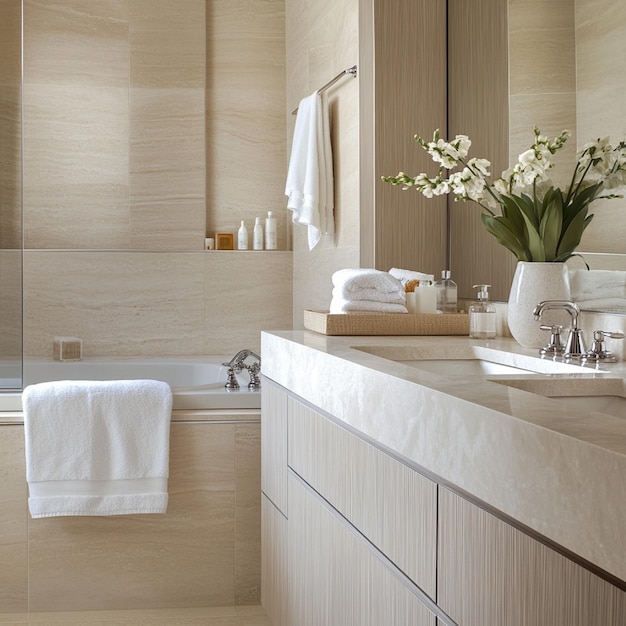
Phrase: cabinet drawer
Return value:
(388, 502)
(274, 444)
(337, 578)
(491, 574)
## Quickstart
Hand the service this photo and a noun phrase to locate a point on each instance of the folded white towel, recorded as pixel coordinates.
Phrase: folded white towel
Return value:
(354, 280)
(615, 305)
(97, 448)
(597, 284)
(338, 305)
(372, 295)
(309, 186)
(404, 276)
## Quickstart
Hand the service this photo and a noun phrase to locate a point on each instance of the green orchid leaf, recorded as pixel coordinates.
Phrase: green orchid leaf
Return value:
(532, 209)
(573, 233)
(550, 228)
(512, 213)
(534, 242)
(501, 230)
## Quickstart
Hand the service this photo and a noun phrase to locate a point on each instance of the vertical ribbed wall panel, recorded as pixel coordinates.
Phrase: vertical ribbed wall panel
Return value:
(274, 444)
(391, 504)
(491, 574)
(478, 106)
(409, 94)
(336, 578)
(274, 587)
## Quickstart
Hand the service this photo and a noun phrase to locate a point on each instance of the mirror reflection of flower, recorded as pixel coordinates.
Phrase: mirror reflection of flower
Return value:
(537, 221)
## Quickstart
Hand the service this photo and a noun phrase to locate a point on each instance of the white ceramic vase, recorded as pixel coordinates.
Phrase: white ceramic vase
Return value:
(534, 283)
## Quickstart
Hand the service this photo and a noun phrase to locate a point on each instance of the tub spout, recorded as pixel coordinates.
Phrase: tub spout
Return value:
(237, 364)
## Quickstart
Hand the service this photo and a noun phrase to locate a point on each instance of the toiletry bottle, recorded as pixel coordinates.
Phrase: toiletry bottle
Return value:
(446, 293)
(242, 237)
(270, 232)
(482, 315)
(257, 235)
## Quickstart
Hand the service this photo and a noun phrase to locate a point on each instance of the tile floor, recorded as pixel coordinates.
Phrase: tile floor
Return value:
(217, 616)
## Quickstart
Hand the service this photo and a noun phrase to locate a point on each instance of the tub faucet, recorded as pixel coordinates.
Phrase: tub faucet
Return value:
(237, 364)
(574, 348)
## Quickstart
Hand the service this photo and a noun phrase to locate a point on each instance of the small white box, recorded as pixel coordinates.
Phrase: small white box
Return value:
(67, 349)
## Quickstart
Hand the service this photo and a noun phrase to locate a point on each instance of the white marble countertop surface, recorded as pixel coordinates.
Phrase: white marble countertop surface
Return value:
(556, 467)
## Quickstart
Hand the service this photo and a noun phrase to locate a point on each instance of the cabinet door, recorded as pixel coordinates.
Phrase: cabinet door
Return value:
(491, 574)
(336, 577)
(274, 587)
(387, 501)
(274, 401)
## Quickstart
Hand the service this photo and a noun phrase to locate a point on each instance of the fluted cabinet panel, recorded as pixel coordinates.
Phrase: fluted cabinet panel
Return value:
(391, 504)
(491, 574)
(274, 407)
(274, 573)
(337, 578)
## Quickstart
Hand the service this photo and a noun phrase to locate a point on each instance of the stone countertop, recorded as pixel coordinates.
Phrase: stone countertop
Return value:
(556, 468)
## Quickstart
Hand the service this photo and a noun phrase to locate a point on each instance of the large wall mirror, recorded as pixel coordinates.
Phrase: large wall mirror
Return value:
(556, 64)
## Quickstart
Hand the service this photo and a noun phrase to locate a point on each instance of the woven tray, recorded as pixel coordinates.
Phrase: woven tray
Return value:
(386, 323)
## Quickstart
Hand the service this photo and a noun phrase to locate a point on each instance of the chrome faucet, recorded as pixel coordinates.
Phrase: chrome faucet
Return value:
(574, 348)
(237, 364)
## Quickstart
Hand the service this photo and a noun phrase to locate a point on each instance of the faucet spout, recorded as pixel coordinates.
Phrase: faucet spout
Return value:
(575, 347)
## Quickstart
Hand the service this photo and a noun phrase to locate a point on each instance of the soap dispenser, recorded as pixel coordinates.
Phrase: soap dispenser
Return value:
(482, 315)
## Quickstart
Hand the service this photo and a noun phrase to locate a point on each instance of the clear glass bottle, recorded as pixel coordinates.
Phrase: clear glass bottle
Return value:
(482, 315)
(446, 293)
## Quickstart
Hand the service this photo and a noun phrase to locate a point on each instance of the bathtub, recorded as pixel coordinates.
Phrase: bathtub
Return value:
(197, 382)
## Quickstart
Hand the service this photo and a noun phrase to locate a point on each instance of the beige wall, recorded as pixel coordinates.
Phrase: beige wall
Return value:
(600, 71)
(321, 41)
(149, 124)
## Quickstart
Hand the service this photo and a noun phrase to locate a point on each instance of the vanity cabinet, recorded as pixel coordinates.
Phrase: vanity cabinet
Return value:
(354, 535)
(491, 574)
(336, 577)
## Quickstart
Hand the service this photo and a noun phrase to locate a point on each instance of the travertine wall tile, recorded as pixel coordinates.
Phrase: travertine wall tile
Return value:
(254, 291)
(119, 303)
(167, 43)
(245, 113)
(11, 305)
(76, 42)
(75, 167)
(167, 173)
(13, 524)
(601, 107)
(321, 40)
(248, 514)
(182, 558)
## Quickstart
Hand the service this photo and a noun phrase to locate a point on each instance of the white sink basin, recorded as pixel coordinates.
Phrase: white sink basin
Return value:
(472, 360)
(609, 404)
(465, 367)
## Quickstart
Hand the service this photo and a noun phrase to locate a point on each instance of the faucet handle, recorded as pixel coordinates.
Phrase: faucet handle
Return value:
(597, 352)
(555, 347)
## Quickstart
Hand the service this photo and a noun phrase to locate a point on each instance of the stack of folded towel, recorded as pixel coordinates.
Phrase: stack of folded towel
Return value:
(367, 291)
(599, 289)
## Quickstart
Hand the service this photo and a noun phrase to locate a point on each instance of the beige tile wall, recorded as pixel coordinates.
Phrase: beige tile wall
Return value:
(153, 303)
(205, 551)
(601, 67)
(135, 110)
(322, 40)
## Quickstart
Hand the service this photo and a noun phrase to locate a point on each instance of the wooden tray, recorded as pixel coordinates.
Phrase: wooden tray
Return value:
(386, 323)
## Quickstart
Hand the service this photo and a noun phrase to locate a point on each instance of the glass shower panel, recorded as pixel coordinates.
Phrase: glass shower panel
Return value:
(10, 195)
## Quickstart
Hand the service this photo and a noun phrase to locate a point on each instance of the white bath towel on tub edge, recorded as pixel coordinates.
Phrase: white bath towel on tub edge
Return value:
(97, 447)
